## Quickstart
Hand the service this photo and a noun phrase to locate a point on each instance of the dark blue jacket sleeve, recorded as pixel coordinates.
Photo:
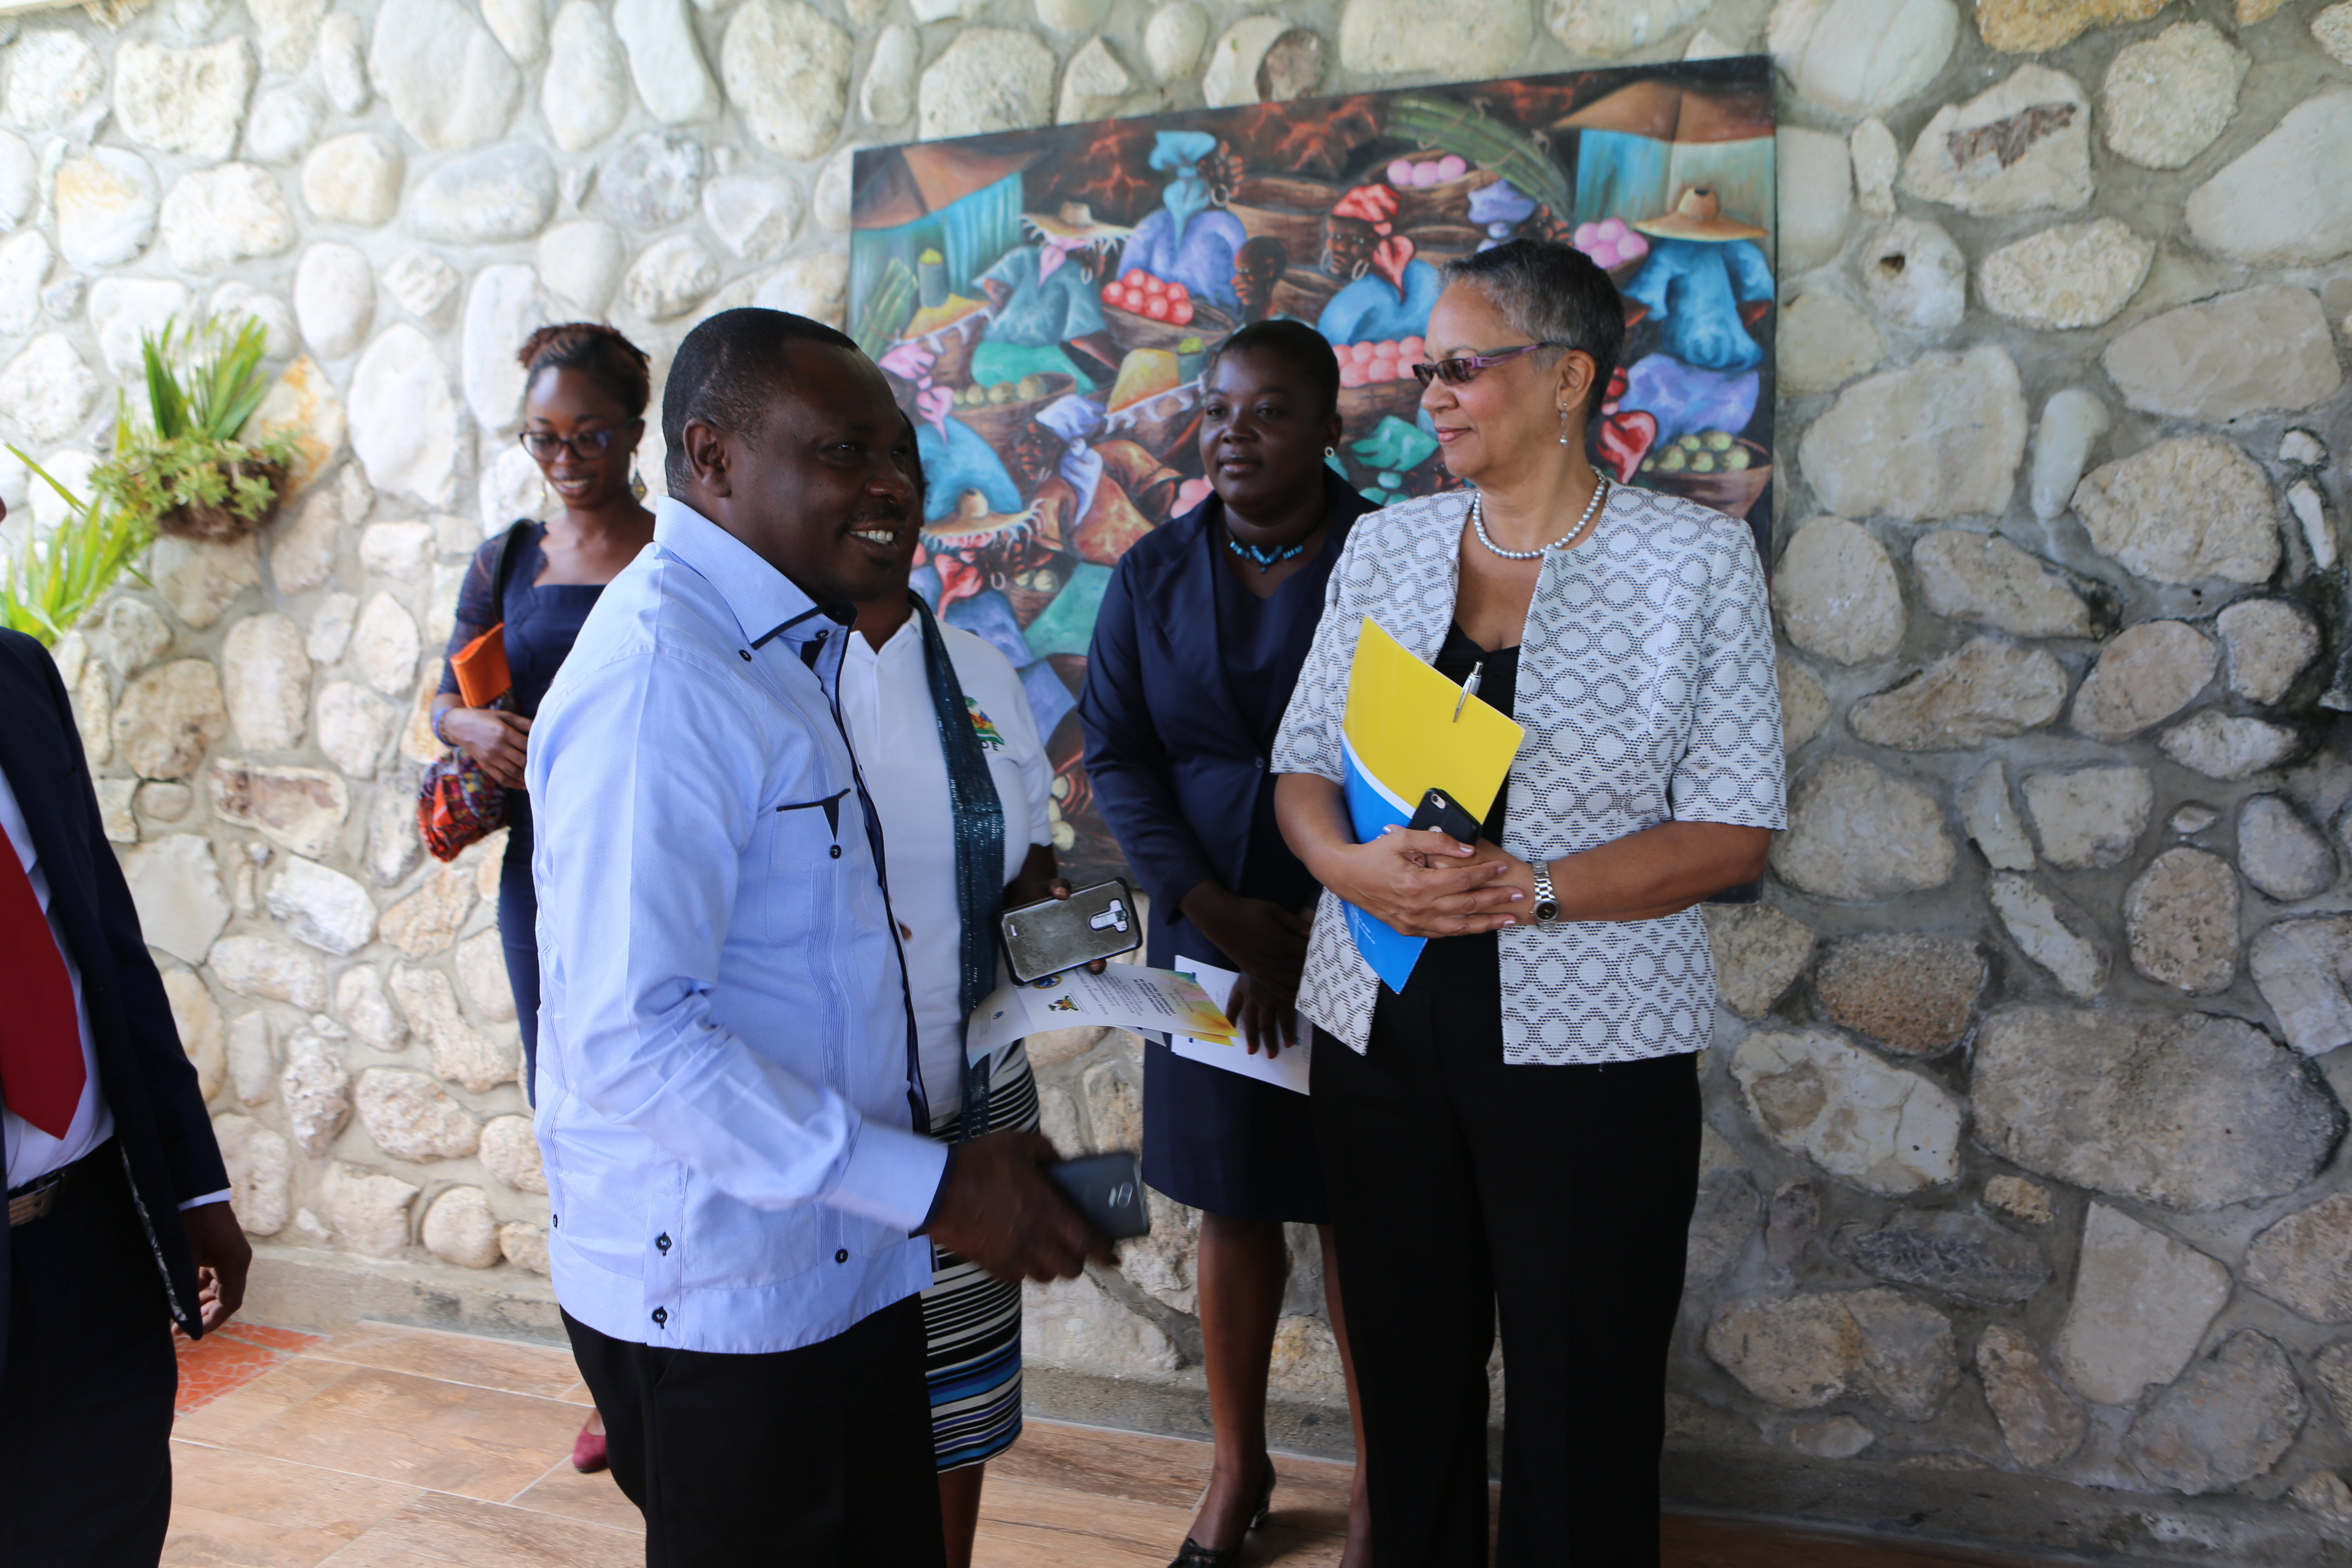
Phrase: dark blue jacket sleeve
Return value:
(191, 1153)
(1126, 761)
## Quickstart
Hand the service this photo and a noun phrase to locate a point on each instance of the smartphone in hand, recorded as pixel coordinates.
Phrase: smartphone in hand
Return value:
(1108, 1189)
(1448, 816)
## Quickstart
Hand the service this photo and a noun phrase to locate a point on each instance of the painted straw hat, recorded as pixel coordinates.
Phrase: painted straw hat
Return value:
(1699, 216)
(1076, 220)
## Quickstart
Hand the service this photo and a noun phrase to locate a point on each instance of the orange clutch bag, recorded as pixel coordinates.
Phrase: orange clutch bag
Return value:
(481, 669)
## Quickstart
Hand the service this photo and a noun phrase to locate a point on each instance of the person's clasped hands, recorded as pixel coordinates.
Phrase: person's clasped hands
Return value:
(1424, 882)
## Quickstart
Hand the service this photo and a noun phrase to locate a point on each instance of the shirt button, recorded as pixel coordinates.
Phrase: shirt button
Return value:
(661, 1242)
(661, 1316)
(836, 851)
(842, 1255)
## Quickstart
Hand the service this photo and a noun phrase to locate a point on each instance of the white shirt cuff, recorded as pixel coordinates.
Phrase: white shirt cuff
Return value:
(219, 1197)
(890, 1177)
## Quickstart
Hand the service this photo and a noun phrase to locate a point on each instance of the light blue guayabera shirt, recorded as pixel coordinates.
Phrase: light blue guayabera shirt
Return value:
(724, 1057)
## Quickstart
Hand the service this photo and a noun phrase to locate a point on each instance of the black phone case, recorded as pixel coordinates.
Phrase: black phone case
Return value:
(1108, 1190)
(1441, 811)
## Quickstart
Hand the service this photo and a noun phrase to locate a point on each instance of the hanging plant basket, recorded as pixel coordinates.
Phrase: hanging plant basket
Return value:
(221, 523)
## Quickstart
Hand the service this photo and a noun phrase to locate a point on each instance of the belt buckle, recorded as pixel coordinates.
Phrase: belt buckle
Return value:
(41, 1195)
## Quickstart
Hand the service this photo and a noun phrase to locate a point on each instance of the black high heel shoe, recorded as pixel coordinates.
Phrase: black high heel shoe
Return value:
(1193, 1554)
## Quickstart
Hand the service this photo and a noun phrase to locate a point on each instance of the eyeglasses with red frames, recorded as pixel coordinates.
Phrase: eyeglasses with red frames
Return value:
(1455, 372)
(586, 445)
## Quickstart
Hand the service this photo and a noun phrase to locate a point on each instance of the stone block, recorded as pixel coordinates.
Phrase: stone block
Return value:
(413, 1118)
(2023, 145)
(321, 907)
(2270, 643)
(176, 888)
(1990, 817)
(509, 1152)
(260, 1173)
(2089, 817)
(1800, 1353)
(2145, 675)
(2033, 27)
(1850, 1112)
(1913, 993)
(447, 80)
(2229, 746)
(2282, 854)
(1987, 689)
(1073, 1323)
(2278, 203)
(1917, 276)
(2182, 511)
(1758, 954)
(2165, 99)
(2230, 1420)
(1857, 831)
(1858, 56)
(1956, 1253)
(2306, 1261)
(257, 966)
(2073, 276)
(370, 1210)
(2255, 351)
(185, 102)
(1835, 593)
(1940, 438)
(786, 68)
(2142, 1303)
(2059, 938)
(404, 420)
(2040, 1421)
(459, 1228)
(316, 1092)
(2299, 966)
(1825, 341)
(2181, 916)
(1983, 577)
(503, 193)
(2147, 1104)
(461, 1053)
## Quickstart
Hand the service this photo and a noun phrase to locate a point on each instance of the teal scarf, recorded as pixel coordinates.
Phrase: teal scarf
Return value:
(979, 817)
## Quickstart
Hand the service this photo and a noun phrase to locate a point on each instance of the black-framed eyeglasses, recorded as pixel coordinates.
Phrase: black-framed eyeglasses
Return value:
(585, 445)
(1455, 372)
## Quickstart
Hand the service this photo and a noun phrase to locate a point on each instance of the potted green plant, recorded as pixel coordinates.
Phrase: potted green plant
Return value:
(185, 469)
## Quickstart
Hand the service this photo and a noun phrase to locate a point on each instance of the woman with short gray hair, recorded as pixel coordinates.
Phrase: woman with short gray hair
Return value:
(1519, 1125)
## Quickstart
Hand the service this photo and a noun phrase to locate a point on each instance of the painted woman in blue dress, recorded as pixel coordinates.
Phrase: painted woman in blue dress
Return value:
(1192, 241)
(1706, 280)
(1388, 295)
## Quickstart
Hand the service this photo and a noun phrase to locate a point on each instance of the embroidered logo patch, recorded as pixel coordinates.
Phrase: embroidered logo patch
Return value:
(984, 727)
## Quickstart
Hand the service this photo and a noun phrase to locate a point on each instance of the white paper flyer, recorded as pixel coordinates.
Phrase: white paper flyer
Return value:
(1231, 1052)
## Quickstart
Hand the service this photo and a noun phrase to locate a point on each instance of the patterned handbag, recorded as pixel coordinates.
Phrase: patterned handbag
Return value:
(457, 803)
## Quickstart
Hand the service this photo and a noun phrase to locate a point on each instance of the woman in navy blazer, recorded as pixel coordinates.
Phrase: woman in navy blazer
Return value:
(1199, 641)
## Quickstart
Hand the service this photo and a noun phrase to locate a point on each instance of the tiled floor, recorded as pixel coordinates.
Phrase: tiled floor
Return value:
(385, 1448)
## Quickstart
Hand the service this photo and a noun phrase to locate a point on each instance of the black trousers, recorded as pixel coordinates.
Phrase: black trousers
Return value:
(1563, 1194)
(86, 1387)
(818, 1455)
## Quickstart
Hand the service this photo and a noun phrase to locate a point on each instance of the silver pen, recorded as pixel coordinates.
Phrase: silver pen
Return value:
(1469, 688)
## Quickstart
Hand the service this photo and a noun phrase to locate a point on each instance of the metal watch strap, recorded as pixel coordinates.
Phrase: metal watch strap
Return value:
(1545, 897)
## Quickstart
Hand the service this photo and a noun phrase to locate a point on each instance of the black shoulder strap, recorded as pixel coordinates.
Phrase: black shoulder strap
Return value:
(502, 564)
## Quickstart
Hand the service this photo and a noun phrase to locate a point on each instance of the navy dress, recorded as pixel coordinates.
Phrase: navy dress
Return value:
(1186, 683)
(542, 624)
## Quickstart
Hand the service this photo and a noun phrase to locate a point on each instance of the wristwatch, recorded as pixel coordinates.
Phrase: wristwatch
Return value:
(1547, 910)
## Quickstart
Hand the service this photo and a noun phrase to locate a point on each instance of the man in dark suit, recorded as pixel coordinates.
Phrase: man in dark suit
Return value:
(118, 1210)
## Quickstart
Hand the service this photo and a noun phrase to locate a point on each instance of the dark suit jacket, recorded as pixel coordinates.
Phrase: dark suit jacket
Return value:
(1176, 767)
(160, 1121)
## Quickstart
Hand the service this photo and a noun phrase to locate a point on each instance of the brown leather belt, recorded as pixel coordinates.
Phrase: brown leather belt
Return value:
(36, 1198)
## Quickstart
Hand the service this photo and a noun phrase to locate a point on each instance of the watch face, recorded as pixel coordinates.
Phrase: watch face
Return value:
(1547, 911)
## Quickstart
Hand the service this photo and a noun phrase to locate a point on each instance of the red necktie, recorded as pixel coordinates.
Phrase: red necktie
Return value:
(41, 1073)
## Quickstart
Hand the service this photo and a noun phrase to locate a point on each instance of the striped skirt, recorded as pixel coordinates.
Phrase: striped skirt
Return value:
(972, 1322)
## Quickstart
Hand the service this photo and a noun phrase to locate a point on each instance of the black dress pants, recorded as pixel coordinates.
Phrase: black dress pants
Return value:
(86, 1387)
(1563, 1194)
(818, 1456)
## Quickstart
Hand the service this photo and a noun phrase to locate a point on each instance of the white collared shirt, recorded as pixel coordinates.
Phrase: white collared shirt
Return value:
(723, 1105)
(885, 702)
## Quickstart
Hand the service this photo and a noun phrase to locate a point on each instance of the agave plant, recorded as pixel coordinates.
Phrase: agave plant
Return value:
(184, 470)
(54, 578)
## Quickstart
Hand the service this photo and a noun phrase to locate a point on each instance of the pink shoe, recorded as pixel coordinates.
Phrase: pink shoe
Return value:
(588, 1450)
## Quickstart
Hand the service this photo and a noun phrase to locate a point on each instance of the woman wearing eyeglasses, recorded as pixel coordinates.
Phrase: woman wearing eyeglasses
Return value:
(584, 403)
(1519, 1125)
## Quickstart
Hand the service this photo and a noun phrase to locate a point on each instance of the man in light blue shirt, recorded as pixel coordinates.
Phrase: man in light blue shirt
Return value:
(729, 1089)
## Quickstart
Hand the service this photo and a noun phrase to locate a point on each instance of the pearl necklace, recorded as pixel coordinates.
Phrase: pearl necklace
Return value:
(1600, 490)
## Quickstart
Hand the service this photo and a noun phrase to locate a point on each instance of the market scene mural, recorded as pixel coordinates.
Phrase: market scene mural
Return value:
(1045, 301)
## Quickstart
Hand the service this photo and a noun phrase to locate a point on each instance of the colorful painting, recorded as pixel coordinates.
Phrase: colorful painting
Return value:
(1044, 302)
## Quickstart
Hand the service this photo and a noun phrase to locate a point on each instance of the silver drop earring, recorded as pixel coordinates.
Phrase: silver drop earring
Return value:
(1563, 426)
(636, 480)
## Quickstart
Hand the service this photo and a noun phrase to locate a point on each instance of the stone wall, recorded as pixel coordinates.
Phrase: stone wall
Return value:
(2023, 1213)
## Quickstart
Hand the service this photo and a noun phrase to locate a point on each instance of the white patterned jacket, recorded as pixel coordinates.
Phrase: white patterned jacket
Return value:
(1647, 689)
